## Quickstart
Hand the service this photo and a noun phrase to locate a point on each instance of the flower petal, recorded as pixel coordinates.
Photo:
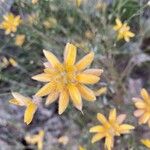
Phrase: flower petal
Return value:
(112, 116)
(22, 100)
(51, 58)
(87, 78)
(138, 112)
(43, 77)
(29, 113)
(51, 98)
(86, 93)
(45, 90)
(121, 118)
(96, 72)
(63, 101)
(70, 54)
(97, 128)
(145, 96)
(109, 142)
(85, 61)
(14, 101)
(75, 96)
(97, 137)
(101, 91)
(125, 128)
(102, 119)
(144, 118)
(140, 104)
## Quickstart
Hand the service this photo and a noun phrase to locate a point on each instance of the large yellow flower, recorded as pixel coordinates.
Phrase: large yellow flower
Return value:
(30, 105)
(143, 107)
(10, 23)
(67, 79)
(110, 128)
(146, 142)
(123, 30)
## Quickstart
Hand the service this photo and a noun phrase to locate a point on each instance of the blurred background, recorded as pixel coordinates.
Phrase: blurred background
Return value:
(88, 24)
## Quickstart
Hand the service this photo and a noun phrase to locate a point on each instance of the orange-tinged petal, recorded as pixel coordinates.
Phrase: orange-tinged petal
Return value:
(85, 61)
(75, 96)
(51, 98)
(138, 112)
(51, 58)
(43, 77)
(22, 100)
(29, 113)
(144, 118)
(87, 78)
(96, 72)
(86, 93)
(97, 137)
(70, 54)
(45, 90)
(145, 96)
(112, 116)
(121, 118)
(97, 128)
(63, 101)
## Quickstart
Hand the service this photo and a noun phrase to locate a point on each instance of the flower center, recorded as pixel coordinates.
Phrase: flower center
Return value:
(65, 75)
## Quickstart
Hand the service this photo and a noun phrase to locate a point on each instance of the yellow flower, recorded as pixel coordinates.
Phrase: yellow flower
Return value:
(146, 142)
(123, 30)
(67, 79)
(143, 107)
(36, 139)
(10, 23)
(20, 38)
(81, 148)
(30, 105)
(4, 62)
(110, 128)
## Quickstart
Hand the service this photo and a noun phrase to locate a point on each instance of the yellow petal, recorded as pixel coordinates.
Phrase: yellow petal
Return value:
(87, 78)
(109, 142)
(75, 96)
(96, 72)
(97, 137)
(45, 90)
(51, 58)
(29, 113)
(102, 119)
(112, 116)
(40, 145)
(51, 98)
(70, 54)
(140, 104)
(86, 93)
(43, 77)
(85, 61)
(97, 129)
(101, 91)
(146, 142)
(125, 128)
(22, 100)
(63, 101)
